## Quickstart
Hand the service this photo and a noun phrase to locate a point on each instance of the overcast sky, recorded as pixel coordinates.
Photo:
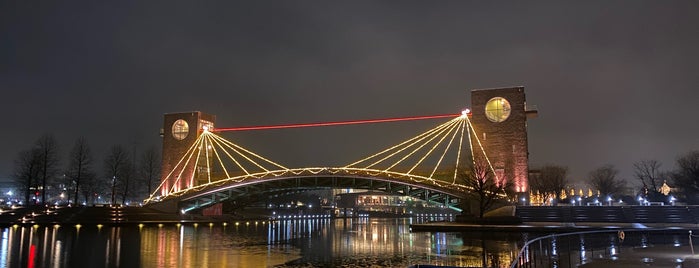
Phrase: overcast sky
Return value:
(614, 81)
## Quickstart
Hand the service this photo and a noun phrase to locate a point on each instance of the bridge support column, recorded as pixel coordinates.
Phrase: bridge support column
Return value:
(167, 206)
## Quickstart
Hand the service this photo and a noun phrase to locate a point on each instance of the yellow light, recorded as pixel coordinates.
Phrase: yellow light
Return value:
(160, 225)
(211, 224)
(35, 226)
(77, 226)
(196, 224)
(429, 141)
(225, 224)
(140, 225)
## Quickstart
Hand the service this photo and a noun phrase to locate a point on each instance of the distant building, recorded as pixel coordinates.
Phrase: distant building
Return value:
(351, 204)
(9, 193)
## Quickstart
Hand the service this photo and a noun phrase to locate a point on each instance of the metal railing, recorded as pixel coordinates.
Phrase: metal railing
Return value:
(577, 248)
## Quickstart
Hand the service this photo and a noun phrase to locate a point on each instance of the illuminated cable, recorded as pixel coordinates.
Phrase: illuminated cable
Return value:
(208, 165)
(190, 149)
(196, 163)
(220, 161)
(251, 153)
(336, 123)
(451, 128)
(470, 142)
(230, 145)
(435, 132)
(461, 122)
(419, 147)
(458, 154)
(230, 156)
(179, 176)
(173, 170)
(483, 150)
(418, 138)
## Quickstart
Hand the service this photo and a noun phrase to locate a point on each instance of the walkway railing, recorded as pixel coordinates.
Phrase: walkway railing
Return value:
(578, 248)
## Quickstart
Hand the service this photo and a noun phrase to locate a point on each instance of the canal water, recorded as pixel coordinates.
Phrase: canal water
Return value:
(324, 242)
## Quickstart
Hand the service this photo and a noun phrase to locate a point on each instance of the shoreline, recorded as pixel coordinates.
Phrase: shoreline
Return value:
(543, 227)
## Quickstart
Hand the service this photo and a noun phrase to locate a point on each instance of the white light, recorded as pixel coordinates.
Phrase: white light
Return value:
(465, 112)
(206, 128)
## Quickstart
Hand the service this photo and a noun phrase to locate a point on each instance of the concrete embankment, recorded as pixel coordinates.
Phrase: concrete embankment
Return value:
(546, 227)
(96, 215)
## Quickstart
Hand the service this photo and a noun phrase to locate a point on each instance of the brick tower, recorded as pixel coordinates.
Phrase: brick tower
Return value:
(180, 131)
(499, 118)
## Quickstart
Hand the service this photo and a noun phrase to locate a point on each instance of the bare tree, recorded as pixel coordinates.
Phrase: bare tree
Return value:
(90, 187)
(150, 168)
(648, 172)
(27, 171)
(80, 161)
(605, 181)
(550, 179)
(48, 157)
(127, 178)
(486, 188)
(116, 165)
(686, 177)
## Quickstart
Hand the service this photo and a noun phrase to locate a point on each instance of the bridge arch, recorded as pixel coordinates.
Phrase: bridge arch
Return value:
(259, 186)
(201, 168)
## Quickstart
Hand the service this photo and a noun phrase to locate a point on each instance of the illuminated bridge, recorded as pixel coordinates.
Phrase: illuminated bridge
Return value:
(211, 169)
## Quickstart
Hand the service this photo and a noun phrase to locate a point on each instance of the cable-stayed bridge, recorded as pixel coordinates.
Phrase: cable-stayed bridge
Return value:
(212, 169)
(424, 166)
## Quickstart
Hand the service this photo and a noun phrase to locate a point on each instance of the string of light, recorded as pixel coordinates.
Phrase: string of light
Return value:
(254, 166)
(335, 123)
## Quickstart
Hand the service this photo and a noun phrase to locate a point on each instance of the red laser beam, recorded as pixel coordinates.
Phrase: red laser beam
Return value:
(337, 123)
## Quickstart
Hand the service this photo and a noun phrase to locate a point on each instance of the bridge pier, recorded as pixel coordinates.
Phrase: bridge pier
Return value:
(166, 206)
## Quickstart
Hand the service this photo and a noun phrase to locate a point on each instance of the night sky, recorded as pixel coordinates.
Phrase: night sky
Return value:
(614, 81)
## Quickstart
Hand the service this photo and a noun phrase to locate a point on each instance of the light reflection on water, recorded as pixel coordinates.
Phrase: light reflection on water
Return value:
(310, 242)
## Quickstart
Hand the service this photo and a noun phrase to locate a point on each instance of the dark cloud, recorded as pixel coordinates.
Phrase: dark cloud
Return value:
(614, 81)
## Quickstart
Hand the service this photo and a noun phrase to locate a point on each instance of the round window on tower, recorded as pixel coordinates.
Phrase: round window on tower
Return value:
(180, 129)
(497, 109)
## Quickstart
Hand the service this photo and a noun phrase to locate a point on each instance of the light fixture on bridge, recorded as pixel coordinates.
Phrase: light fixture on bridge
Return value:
(465, 112)
(205, 128)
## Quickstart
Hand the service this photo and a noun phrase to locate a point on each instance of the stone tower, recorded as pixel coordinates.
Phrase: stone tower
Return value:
(180, 131)
(499, 118)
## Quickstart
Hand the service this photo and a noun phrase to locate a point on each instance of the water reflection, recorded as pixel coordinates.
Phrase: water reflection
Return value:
(325, 242)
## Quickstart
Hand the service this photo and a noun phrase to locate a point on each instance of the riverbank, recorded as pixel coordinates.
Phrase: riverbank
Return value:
(105, 215)
(548, 227)
(656, 256)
